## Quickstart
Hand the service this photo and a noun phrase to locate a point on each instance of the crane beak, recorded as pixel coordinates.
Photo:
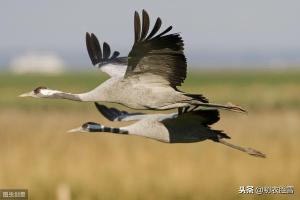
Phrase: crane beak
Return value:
(27, 94)
(79, 129)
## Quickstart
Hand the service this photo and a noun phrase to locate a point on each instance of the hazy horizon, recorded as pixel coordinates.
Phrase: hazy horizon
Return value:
(215, 32)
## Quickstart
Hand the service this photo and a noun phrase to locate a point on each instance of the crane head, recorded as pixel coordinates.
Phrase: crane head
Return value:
(88, 127)
(40, 92)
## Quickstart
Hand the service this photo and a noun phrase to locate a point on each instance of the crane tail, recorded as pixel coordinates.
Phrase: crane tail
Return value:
(228, 106)
(200, 100)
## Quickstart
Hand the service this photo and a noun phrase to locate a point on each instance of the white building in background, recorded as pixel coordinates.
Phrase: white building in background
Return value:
(33, 62)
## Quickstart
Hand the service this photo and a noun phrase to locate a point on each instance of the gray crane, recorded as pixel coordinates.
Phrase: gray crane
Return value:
(186, 127)
(156, 66)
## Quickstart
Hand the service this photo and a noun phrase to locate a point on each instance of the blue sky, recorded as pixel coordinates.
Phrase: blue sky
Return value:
(253, 29)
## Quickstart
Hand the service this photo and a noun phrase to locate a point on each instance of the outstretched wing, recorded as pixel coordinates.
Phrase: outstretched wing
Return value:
(114, 65)
(160, 54)
(113, 114)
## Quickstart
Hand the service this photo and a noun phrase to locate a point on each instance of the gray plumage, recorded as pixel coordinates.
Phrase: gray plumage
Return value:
(188, 127)
(156, 66)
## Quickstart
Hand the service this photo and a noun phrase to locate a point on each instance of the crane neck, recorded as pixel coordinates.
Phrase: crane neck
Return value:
(65, 95)
(100, 93)
(109, 130)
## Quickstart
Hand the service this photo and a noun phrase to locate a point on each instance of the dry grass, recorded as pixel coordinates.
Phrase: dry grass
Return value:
(38, 154)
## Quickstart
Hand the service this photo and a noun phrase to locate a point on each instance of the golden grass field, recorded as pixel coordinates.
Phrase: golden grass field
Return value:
(36, 152)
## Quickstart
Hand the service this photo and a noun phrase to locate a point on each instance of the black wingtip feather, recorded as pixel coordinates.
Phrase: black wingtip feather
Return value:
(106, 51)
(137, 27)
(164, 32)
(93, 48)
(96, 48)
(146, 24)
(95, 52)
(115, 55)
(89, 47)
(140, 33)
(105, 111)
(155, 29)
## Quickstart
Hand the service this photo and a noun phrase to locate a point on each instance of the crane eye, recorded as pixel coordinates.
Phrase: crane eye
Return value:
(38, 89)
(85, 125)
(89, 125)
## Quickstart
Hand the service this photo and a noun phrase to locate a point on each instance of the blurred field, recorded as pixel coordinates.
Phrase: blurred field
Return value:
(37, 153)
